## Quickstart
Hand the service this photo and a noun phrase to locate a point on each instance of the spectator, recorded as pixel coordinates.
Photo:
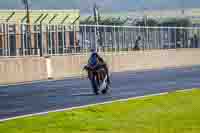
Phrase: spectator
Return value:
(137, 43)
(195, 41)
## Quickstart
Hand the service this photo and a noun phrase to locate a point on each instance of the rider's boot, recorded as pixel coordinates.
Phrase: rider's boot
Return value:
(96, 92)
(108, 80)
(104, 91)
(95, 86)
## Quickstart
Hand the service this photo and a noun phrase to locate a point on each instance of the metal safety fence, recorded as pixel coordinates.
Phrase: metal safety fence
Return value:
(124, 38)
(45, 40)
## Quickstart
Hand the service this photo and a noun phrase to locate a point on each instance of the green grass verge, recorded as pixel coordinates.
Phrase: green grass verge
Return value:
(173, 113)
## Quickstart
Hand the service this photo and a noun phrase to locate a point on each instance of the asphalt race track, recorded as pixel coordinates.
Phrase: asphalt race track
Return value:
(16, 100)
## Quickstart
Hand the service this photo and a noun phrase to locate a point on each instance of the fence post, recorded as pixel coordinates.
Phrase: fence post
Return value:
(115, 40)
(95, 38)
(41, 41)
(175, 38)
(8, 39)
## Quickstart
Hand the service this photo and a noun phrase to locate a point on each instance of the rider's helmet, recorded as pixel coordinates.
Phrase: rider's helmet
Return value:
(93, 57)
(93, 52)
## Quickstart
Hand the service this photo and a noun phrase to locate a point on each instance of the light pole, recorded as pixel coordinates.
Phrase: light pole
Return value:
(183, 8)
(26, 5)
(97, 29)
(28, 30)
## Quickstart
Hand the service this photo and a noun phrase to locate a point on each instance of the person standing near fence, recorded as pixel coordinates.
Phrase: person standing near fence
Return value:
(137, 43)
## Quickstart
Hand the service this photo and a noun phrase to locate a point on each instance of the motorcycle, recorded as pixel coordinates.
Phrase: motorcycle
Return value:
(98, 79)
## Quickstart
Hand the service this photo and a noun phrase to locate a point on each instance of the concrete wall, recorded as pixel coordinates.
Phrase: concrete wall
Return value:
(14, 70)
(67, 66)
(25, 69)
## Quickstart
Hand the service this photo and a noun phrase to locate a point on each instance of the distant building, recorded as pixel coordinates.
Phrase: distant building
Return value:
(55, 31)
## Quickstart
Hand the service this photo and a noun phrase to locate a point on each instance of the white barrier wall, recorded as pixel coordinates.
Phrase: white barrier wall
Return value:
(67, 66)
(25, 69)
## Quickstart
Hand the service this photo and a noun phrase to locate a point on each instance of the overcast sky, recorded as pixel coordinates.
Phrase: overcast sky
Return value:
(105, 5)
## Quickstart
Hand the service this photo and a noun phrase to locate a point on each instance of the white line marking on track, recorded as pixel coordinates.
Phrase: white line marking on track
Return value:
(185, 90)
(73, 89)
(82, 94)
(90, 105)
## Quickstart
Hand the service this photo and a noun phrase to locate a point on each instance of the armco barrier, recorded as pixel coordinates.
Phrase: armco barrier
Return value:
(25, 69)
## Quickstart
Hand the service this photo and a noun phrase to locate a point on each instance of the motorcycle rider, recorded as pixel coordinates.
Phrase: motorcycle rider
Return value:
(96, 62)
